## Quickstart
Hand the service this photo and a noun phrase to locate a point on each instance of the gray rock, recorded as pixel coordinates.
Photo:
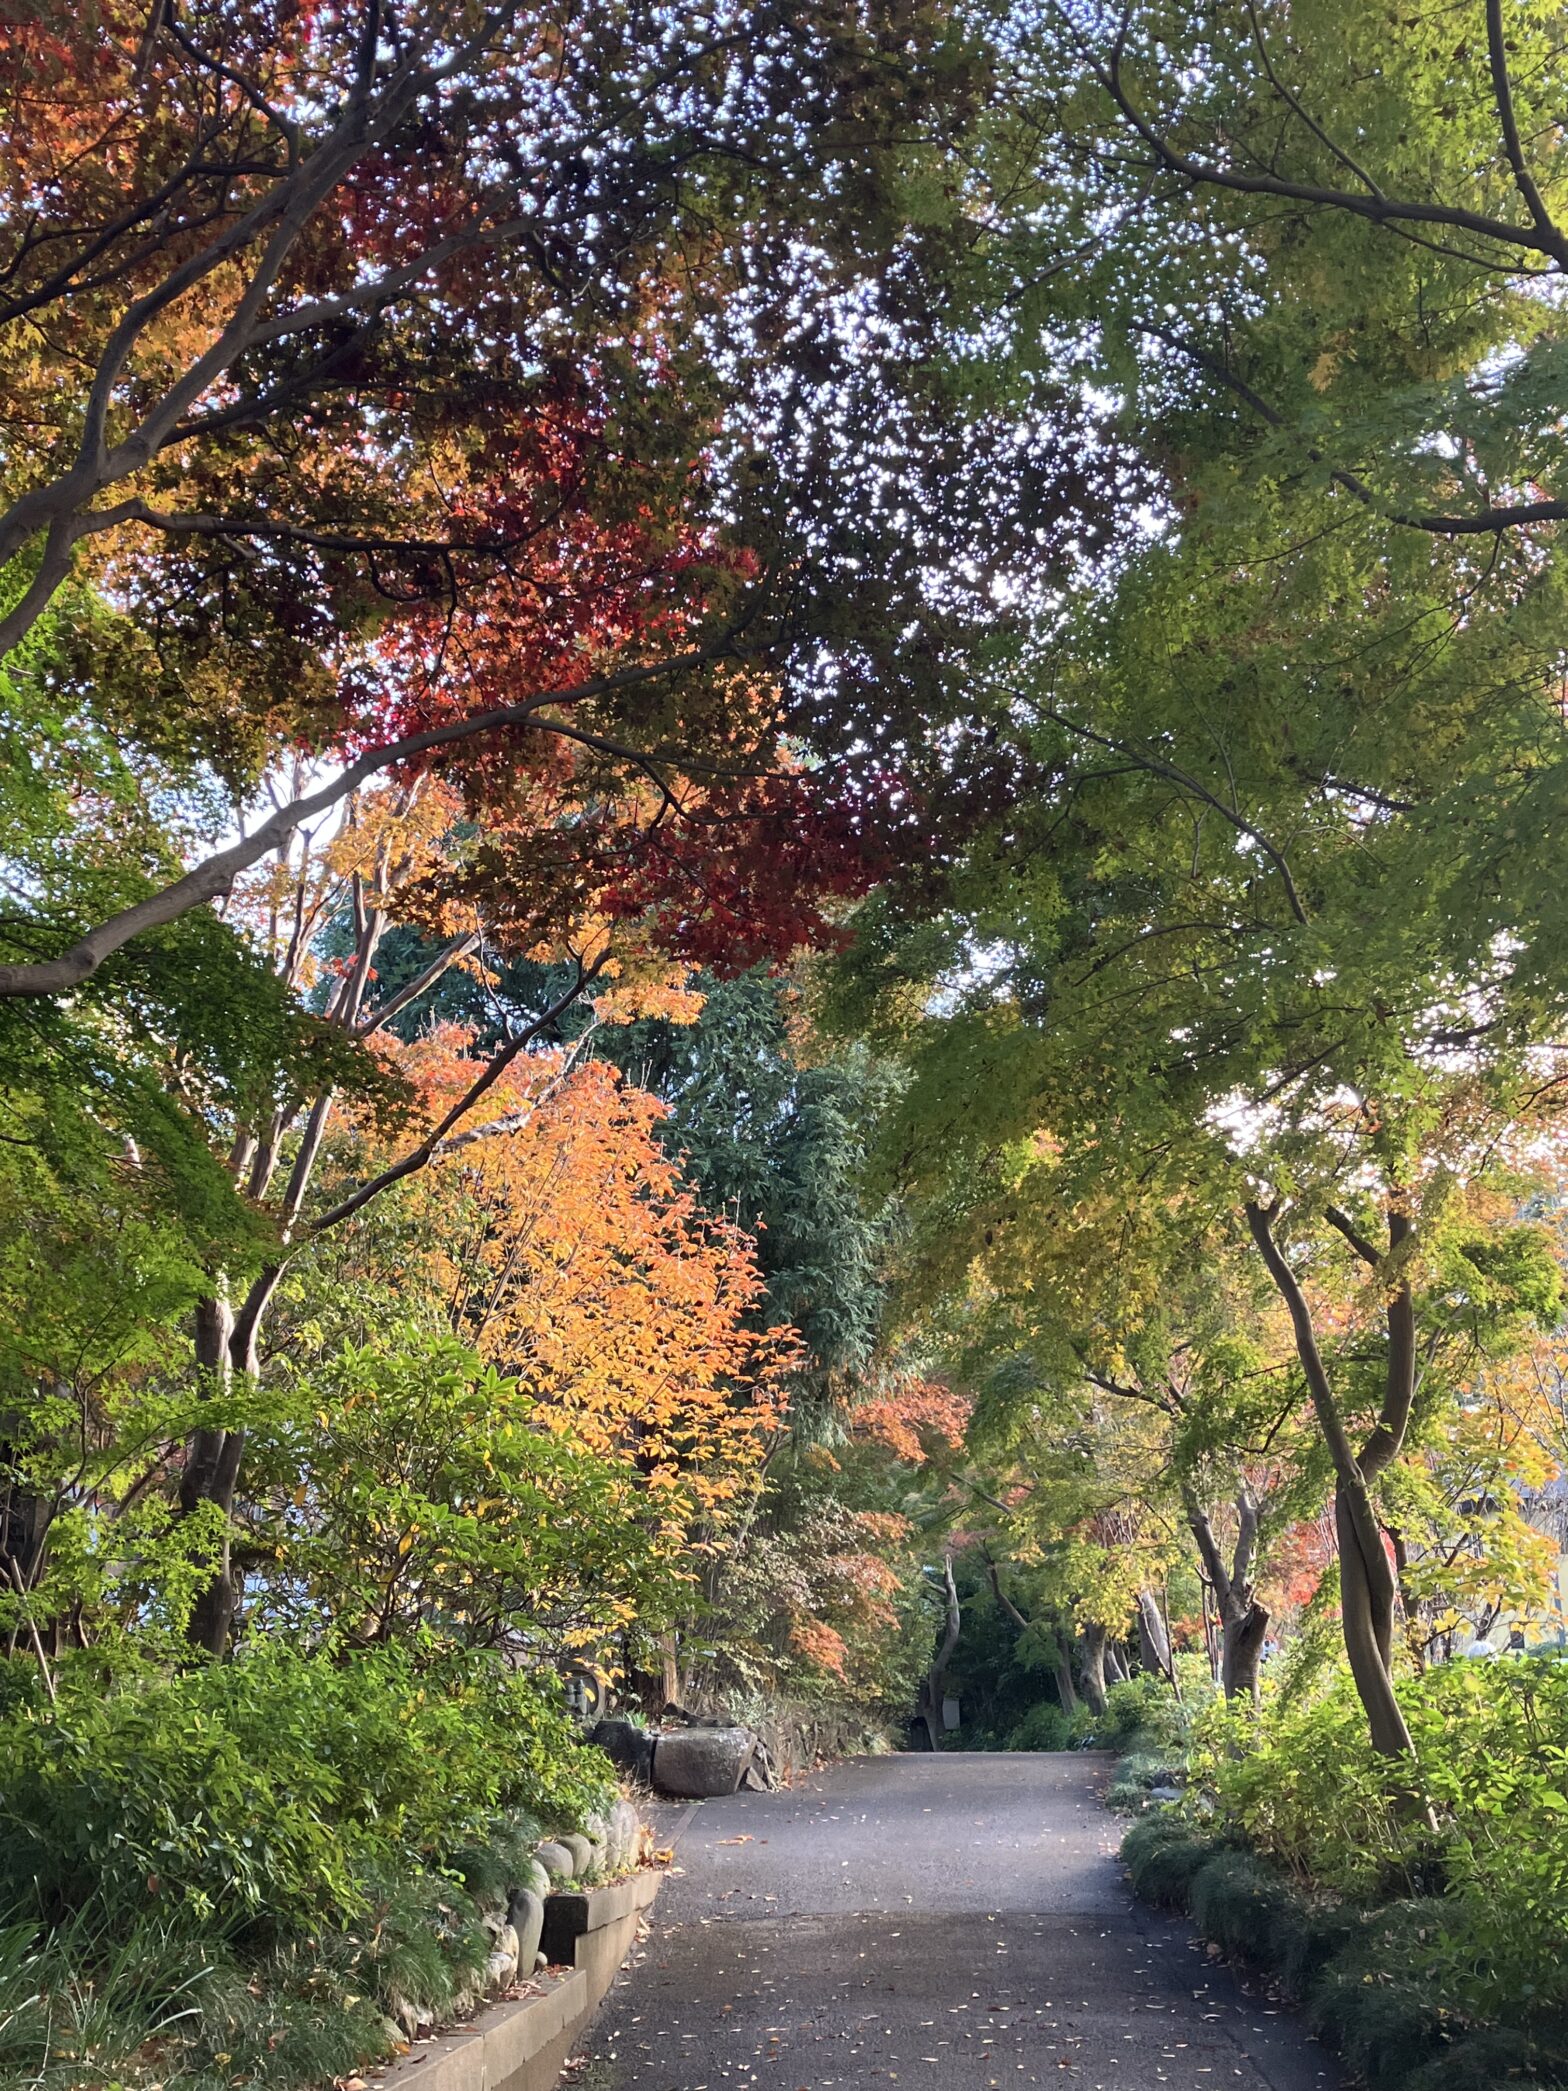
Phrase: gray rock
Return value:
(628, 1747)
(582, 1854)
(557, 1860)
(700, 1763)
(535, 1877)
(528, 1922)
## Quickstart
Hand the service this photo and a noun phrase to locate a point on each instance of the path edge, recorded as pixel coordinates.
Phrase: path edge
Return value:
(524, 2046)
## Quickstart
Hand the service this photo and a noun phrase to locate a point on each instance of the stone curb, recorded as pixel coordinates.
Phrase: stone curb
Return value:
(523, 2046)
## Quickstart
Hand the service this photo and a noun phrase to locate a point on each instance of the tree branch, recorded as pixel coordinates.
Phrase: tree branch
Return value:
(1343, 1225)
(216, 873)
(1158, 767)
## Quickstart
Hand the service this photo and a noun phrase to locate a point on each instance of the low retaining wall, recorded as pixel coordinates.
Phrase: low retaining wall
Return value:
(523, 2046)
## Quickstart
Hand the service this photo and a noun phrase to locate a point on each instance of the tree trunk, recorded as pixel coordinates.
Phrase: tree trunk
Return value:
(1243, 1621)
(1066, 1690)
(1367, 1585)
(212, 1466)
(1242, 1633)
(1366, 1595)
(1091, 1666)
(930, 1706)
(1154, 1641)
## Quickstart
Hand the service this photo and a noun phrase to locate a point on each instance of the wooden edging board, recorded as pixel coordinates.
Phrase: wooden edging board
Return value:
(523, 2046)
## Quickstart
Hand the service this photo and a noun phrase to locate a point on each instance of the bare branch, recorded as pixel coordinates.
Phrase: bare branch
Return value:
(433, 1142)
(1158, 767)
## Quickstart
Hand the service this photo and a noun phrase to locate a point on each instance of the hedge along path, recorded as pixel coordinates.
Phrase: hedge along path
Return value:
(957, 1922)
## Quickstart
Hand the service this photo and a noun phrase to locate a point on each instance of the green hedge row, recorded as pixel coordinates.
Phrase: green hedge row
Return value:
(1363, 1977)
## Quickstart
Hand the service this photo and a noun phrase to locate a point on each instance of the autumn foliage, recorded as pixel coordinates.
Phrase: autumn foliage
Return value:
(566, 1248)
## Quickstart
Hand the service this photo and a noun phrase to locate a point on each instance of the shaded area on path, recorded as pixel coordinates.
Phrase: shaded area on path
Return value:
(947, 1923)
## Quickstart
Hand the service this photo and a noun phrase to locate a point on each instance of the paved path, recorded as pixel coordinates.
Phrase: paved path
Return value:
(946, 1923)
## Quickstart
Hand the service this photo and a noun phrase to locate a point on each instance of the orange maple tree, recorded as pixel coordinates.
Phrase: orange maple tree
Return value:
(563, 1244)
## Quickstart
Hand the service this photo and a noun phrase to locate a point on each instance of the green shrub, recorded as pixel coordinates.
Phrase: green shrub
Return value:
(255, 1797)
(1377, 2000)
(234, 1876)
(1163, 1854)
(1491, 1834)
(1143, 1713)
(1043, 1727)
(1242, 1905)
(1309, 1932)
(1485, 2061)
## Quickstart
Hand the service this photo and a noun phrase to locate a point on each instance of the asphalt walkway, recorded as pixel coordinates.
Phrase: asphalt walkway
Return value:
(947, 1923)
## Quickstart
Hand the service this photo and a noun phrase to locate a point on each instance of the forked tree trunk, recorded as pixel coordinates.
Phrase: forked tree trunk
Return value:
(1154, 1641)
(1366, 1595)
(228, 1343)
(1092, 1643)
(931, 1692)
(1367, 1583)
(1066, 1690)
(1243, 1620)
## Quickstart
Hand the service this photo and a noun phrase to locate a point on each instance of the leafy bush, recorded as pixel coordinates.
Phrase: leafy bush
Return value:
(1377, 1999)
(1043, 1727)
(1489, 1828)
(256, 1797)
(1142, 1712)
(1309, 1932)
(236, 1874)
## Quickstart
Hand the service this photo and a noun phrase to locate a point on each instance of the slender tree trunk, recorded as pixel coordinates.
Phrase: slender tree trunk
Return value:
(930, 1707)
(1066, 1691)
(1367, 1583)
(212, 1463)
(227, 1343)
(1243, 1622)
(1366, 1595)
(1154, 1641)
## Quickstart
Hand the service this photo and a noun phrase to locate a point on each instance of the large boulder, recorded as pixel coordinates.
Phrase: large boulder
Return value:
(701, 1763)
(501, 1968)
(536, 1879)
(625, 1830)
